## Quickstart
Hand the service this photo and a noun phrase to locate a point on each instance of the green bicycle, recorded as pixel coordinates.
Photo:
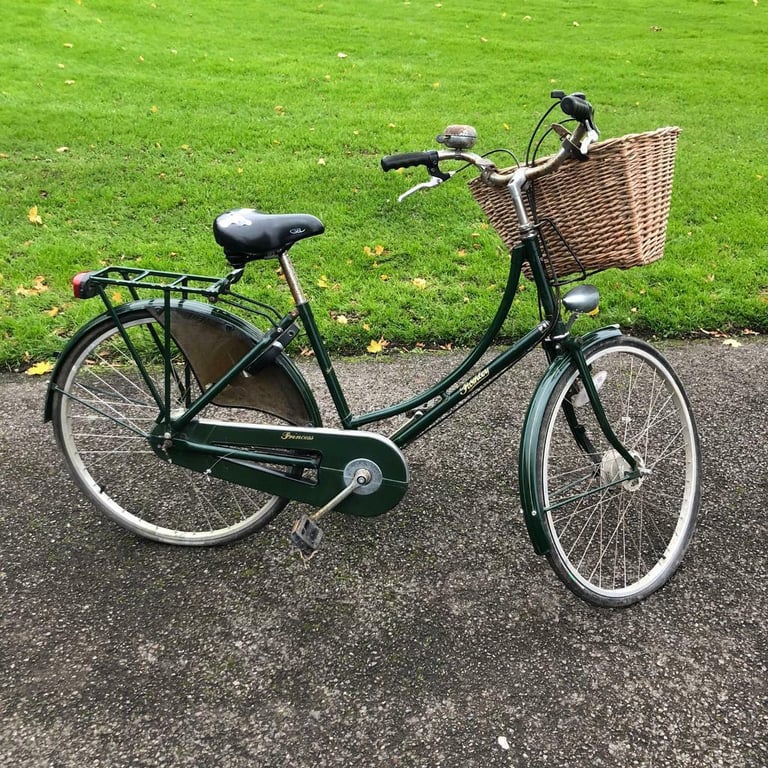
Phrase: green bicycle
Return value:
(187, 424)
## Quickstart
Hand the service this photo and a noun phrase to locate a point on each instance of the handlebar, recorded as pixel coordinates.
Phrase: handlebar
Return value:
(409, 159)
(573, 145)
(576, 144)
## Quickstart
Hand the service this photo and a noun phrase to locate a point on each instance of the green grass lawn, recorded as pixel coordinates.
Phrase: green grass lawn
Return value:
(126, 127)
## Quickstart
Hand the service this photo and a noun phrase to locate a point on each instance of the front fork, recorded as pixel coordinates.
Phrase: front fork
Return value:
(572, 347)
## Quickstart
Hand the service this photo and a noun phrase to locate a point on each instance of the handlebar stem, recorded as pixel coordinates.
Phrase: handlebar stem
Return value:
(515, 186)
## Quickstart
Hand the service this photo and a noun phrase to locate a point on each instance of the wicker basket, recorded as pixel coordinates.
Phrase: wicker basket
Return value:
(611, 210)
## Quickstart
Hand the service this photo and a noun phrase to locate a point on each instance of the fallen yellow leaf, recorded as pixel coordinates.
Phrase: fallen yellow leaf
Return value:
(33, 216)
(376, 346)
(37, 288)
(419, 282)
(40, 369)
(52, 312)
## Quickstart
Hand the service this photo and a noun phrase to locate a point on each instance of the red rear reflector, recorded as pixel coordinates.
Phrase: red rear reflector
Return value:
(81, 286)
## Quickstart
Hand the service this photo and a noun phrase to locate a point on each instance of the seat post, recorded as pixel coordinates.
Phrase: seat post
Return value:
(291, 278)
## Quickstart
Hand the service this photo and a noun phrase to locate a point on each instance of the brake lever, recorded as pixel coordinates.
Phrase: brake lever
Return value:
(434, 181)
(578, 151)
(591, 136)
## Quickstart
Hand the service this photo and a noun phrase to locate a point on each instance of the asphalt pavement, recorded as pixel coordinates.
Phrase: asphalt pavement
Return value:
(431, 636)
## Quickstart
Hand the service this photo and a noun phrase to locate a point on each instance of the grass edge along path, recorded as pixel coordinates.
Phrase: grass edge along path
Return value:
(126, 128)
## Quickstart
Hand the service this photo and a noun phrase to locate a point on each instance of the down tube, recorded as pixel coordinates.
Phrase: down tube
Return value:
(455, 398)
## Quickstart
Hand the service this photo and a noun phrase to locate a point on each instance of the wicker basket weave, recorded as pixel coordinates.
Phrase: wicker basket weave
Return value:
(611, 210)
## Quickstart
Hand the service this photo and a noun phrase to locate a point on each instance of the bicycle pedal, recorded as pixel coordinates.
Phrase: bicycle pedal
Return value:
(306, 535)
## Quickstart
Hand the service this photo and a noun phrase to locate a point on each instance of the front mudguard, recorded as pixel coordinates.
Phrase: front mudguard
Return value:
(213, 340)
(529, 482)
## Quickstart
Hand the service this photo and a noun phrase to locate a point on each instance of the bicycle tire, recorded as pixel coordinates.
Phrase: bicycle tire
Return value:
(102, 414)
(615, 542)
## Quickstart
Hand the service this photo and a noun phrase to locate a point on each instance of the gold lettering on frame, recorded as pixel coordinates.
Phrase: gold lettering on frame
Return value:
(474, 381)
(294, 436)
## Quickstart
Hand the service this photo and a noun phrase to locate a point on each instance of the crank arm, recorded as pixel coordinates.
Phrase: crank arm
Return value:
(306, 535)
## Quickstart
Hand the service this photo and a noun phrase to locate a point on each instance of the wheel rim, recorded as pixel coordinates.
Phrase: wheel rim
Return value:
(104, 413)
(619, 539)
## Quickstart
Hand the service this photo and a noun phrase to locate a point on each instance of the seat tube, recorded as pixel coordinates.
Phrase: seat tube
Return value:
(315, 340)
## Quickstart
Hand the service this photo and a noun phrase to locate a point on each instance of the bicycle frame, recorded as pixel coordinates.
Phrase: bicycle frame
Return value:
(240, 452)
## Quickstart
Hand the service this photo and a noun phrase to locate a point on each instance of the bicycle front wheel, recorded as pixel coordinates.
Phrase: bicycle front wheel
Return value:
(103, 415)
(614, 540)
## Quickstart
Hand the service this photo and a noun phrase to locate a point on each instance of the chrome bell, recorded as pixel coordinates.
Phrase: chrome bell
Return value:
(458, 137)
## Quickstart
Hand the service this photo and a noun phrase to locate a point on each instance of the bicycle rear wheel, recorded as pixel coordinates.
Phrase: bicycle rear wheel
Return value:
(616, 541)
(103, 414)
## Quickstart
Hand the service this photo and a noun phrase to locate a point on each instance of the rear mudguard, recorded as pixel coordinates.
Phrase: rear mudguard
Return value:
(213, 340)
(529, 482)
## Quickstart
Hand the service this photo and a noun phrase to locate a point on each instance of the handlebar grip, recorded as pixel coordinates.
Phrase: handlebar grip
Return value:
(577, 106)
(409, 159)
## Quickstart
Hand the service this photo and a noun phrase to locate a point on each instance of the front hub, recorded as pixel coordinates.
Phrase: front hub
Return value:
(614, 469)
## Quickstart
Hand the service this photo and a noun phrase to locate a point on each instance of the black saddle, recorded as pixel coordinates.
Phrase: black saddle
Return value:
(246, 234)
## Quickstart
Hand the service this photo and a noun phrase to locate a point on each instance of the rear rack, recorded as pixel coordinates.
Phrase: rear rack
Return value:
(138, 281)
